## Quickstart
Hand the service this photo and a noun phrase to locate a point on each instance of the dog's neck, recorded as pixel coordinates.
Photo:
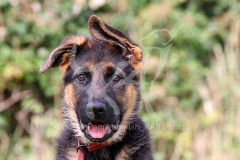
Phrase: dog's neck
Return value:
(82, 149)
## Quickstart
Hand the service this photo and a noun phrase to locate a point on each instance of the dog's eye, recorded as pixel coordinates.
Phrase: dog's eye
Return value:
(116, 78)
(81, 77)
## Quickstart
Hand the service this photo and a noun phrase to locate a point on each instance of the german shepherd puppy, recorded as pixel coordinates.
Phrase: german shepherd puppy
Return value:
(100, 96)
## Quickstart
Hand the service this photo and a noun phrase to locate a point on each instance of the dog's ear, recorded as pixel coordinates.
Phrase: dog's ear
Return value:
(60, 55)
(102, 32)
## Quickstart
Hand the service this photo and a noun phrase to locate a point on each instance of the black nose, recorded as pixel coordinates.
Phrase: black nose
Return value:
(95, 110)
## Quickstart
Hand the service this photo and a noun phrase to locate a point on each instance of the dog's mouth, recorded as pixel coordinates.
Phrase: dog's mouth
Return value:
(99, 132)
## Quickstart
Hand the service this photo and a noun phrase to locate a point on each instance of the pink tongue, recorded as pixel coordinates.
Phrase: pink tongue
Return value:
(97, 131)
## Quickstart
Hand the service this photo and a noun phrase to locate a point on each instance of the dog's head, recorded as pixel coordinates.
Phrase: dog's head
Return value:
(100, 82)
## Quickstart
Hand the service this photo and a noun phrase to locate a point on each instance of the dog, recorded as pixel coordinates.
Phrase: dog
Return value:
(100, 96)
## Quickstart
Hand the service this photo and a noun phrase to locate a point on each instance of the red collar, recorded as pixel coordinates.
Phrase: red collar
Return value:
(90, 148)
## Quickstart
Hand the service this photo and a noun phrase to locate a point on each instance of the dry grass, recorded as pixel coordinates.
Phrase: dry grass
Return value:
(220, 93)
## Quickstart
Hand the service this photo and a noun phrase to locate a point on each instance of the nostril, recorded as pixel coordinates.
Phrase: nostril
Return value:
(100, 110)
(89, 110)
(96, 108)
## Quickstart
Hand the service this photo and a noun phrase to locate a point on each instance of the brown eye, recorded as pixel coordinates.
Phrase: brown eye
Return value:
(81, 77)
(116, 78)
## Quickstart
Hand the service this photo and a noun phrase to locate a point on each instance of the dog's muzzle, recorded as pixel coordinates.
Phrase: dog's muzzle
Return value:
(99, 126)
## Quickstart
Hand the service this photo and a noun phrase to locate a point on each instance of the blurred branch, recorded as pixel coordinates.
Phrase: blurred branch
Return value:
(208, 106)
(4, 144)
(177, 152)
(21, 116)
(16, 96)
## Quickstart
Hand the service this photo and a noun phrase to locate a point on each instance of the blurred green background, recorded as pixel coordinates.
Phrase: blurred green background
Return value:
(195, 98)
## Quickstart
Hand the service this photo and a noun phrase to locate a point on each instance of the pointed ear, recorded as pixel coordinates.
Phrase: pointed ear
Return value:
(102, 32)
(60, 55)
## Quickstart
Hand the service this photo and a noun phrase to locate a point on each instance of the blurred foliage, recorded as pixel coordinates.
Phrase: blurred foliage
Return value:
(196, 96)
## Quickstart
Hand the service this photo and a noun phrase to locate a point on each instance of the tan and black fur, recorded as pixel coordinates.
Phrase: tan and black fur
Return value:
(101, 86)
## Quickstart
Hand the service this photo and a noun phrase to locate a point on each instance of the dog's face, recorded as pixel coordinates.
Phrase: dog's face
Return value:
(100, 82)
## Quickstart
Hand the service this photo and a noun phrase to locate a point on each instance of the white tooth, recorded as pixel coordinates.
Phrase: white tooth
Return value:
(83, 127)
(109, 130)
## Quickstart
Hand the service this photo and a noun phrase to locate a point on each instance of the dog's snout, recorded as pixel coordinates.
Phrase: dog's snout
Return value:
(96, 109)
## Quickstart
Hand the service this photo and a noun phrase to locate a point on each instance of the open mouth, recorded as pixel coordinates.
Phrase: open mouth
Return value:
(99, 132)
